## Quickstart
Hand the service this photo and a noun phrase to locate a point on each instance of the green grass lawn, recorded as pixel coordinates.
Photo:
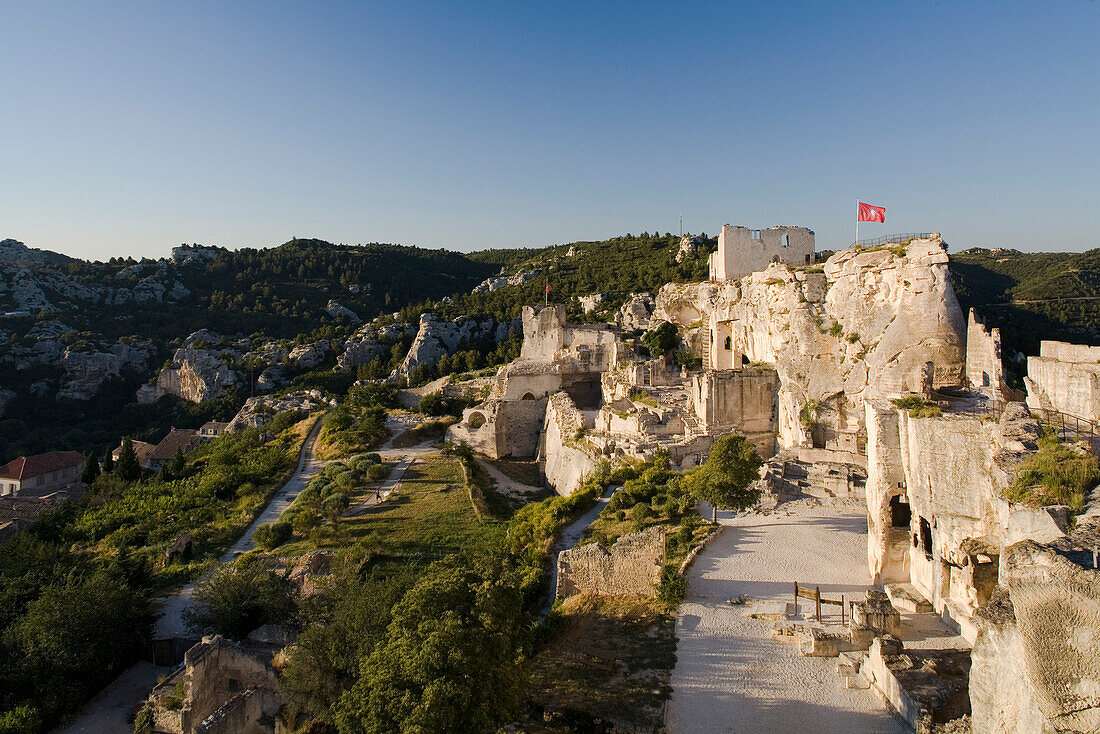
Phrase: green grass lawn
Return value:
(428, 518)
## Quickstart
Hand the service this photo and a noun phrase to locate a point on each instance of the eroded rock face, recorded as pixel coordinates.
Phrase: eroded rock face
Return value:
(196, 375)
(437, 337)
(85, 372)
(336, 311)
(309, 356)
(1036, 662)
(865, 327)
(636, 312)
(500, 281)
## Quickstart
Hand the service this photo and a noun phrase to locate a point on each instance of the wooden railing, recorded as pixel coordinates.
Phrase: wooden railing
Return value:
(814, 595)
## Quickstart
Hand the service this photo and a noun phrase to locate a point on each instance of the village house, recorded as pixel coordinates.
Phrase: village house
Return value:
(42, 474)
(212, 429)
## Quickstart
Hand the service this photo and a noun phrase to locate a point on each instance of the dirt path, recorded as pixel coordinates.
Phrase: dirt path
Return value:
(730, 675)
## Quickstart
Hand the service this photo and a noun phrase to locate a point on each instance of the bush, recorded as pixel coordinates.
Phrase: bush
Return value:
(671, 587)
(270, 536)
(1057, 474)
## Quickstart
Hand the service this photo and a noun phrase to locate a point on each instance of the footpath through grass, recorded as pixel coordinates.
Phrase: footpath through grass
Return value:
(429, 517)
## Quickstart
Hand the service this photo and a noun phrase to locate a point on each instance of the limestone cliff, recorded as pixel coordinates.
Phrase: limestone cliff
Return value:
(195, 375)
(866, 325)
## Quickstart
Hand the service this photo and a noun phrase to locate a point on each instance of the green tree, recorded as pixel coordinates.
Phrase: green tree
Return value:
(240, 597)
(725, 480)
(179, 464)
(23, 719)
(451, 660)
(128, 468)
(91, 468)
(661, 340)
(108, 461)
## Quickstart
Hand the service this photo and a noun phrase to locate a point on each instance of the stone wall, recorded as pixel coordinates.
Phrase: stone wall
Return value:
(499, 428)
(1037, 656)
(742, 251)
(984, 368)
(566, 457)
(742, 400)
(1065, 377)
(887, 529)
(547, 336)
(629, 568)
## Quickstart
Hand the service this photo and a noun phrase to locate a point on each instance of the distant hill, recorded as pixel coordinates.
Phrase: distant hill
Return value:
(1031, 295)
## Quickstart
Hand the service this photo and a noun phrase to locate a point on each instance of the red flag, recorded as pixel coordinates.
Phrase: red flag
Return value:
(869, 213)
(548, 287)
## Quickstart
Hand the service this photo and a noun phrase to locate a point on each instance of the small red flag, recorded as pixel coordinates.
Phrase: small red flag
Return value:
(548, 286)
(869, 213)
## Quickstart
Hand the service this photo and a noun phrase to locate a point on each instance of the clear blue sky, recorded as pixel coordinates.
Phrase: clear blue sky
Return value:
(129, 127)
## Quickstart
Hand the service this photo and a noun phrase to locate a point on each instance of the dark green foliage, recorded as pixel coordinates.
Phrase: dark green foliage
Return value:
(365, 396)
(671, 587)
(451, 658)
(725, 480)
(240, 597)
(128, 469)
(661, 340)
(108, 461)
(22, 719)
(91, 468)
(76, 636)
(144, 721)
(271, 535)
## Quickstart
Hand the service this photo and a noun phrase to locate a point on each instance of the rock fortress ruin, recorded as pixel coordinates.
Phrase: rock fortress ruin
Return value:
(857, 378)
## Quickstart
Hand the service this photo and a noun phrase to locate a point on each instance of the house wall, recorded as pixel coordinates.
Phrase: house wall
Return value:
(741, 400)
(218, 670)
(742, 250)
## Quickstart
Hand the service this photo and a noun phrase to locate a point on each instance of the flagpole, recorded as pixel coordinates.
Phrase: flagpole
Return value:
(856, 243)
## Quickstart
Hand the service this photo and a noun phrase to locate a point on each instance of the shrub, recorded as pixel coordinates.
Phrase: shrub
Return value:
(271, 535)
(1056, 474)
(377, 472)
(671, 587)
(836, 329)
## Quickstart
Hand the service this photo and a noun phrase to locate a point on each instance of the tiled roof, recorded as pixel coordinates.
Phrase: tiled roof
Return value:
(26, 467)
(183, 439)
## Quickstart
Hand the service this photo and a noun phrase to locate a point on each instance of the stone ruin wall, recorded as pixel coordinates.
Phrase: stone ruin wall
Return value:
(1065, 377)
(984, 369)
(566, 459)
(211, 666)
(740, 253)
(629, 568)
(896, 315)
(742, 401)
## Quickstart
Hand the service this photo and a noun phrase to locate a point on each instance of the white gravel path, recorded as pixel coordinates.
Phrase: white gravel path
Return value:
(730, 675)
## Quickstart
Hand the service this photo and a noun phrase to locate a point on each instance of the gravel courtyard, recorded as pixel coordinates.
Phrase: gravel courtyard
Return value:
(730, 675)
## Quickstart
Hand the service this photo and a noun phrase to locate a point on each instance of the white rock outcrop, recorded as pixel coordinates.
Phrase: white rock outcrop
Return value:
(308, 356)
(195, 375)
(336, 311)
(867, 326)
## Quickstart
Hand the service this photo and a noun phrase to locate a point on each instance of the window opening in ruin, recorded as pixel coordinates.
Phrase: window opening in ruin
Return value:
(901, 514)
(755, 234)
(808, 259)
(527, 396)
(744, 359)
(729, 344)
(926, 538)
(234, 685)
(476, 420)
(785, 240)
